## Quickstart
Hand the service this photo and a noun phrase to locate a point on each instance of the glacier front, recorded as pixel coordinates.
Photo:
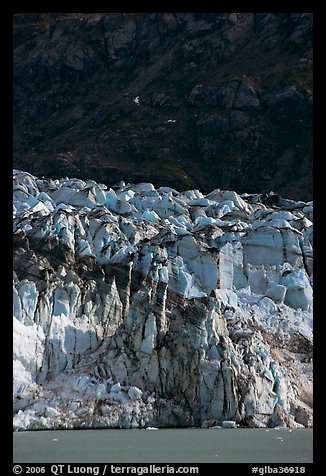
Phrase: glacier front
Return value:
(140, 307)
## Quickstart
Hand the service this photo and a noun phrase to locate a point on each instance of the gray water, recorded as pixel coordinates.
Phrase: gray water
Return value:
(164, 446)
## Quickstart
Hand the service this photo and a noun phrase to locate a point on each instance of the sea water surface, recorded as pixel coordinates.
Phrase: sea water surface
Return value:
(164, 446)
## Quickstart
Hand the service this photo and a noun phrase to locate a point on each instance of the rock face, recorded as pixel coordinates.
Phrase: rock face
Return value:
(135, 306)
(187, 100)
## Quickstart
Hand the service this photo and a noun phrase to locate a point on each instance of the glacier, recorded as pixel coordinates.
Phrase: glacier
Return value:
(137, 307)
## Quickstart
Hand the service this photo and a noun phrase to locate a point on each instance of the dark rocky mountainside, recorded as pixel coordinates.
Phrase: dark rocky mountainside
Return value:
(225, 99)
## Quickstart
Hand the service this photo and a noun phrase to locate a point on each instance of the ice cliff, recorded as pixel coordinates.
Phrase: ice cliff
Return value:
(135, 306)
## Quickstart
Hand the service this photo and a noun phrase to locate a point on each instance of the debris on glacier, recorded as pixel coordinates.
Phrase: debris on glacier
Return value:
(137, 307)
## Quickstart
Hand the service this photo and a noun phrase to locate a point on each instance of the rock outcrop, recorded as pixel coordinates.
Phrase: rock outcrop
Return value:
(187, 100)
(136, 306)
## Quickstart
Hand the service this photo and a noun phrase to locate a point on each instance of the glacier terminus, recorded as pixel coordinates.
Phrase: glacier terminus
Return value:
(144, 307)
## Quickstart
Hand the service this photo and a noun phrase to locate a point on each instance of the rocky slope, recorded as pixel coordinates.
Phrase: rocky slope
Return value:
(188, 100)
(137, 307)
